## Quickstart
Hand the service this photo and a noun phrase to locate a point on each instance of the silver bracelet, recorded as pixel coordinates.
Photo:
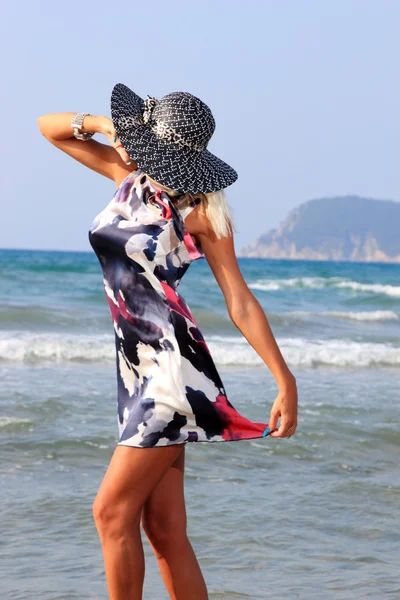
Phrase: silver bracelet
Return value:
(76, 124)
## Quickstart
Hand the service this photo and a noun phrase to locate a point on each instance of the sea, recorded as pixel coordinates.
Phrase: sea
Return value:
(316, 516)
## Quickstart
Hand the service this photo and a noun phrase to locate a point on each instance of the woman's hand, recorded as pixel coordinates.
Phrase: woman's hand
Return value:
(105, 126)
(285, 408)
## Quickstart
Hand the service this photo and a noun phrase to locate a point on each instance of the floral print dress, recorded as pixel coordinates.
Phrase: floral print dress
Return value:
(169, 390)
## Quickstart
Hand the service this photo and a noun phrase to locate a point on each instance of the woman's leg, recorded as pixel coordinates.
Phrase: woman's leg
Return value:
(130, 478)
(164, 521)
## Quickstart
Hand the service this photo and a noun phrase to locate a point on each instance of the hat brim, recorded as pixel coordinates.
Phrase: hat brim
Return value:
(183, 170)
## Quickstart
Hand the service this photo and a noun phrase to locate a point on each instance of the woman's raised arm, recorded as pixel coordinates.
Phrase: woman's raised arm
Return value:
(108, 160)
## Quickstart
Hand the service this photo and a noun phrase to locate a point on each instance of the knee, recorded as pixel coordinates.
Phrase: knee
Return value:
(105, 514)
(112, 516)
(164, 529)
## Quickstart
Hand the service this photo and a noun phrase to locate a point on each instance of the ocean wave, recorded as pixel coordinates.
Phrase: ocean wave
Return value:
(300, 352)
(55, 348)
(374, 288)
(272, 285)
(226, 350)
(367, 315)
(13, 422)
(317, 283)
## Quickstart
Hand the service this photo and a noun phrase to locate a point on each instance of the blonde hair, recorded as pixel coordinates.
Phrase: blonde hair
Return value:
(213, 204)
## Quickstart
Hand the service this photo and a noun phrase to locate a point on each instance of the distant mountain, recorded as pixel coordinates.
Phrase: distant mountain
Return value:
(343, 228)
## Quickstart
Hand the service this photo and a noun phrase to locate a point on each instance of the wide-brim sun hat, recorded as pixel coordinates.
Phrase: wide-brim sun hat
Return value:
(168, 139)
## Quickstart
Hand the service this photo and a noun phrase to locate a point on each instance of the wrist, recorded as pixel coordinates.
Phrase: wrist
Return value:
(92, 124)
(286, 381)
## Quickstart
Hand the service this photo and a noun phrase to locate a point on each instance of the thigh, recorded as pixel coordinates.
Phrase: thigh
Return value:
(165, 508)
(132, 475)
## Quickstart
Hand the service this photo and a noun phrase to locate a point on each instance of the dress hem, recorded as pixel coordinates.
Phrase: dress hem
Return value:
(257, 437)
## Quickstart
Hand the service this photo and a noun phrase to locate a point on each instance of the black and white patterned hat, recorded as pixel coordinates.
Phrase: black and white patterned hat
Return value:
(168, 139)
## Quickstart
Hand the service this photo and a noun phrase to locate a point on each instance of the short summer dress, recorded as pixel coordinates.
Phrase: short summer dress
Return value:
(169, 390)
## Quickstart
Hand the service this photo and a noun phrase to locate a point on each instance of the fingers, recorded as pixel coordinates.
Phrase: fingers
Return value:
(286, 429)
(119, 147)
(273, 420)
(109, 130)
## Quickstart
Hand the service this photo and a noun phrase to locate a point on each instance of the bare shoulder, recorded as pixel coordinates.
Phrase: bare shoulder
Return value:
(218, 251)
(197, 222)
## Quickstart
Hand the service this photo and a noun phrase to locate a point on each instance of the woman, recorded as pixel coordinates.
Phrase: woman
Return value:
(168, 210)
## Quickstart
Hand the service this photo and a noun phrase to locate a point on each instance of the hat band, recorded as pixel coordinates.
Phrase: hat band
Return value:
(126, 122)
(168, 134)
(161, 131)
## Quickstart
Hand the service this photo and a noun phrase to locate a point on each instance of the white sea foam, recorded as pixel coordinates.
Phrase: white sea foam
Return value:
(268, 285)
(316, 283)
(55, 348)
(6, 421)
(373, 288)
(300, 352)
(367, 315)
(226, 351)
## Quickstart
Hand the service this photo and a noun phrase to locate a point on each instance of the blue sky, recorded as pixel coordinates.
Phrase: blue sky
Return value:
(305, 93)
